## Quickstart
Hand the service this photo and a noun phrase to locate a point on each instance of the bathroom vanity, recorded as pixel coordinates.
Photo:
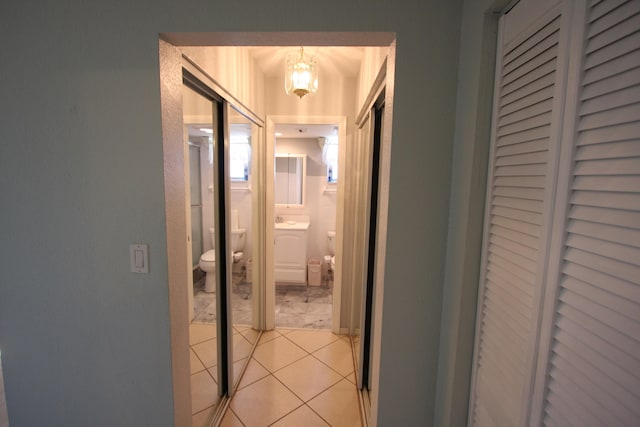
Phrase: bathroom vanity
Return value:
(290, 251)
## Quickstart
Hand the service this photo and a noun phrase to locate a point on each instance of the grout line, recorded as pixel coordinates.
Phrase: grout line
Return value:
(287, 414)
(235, 415)
(316, 412)
(328, 366)
(201, 361)
(305, 402)
(256, 380)
(317, 349)
(296, 394)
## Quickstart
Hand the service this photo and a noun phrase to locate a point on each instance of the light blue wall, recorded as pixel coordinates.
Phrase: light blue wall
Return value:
(468, 181)
(85, 342)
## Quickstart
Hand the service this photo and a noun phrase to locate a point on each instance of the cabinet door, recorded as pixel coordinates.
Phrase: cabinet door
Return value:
(290, 249)
(290, 256)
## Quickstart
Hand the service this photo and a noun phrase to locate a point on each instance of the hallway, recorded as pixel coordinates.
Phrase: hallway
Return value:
(297, 377)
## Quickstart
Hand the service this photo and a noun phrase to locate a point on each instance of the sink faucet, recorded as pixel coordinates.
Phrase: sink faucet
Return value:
(279, 219)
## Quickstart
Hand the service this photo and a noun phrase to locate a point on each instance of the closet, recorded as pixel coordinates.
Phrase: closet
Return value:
(558, 323)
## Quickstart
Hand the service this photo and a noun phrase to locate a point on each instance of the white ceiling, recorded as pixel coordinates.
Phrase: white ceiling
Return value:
(340, 60)
(331, 59)
(306, 131)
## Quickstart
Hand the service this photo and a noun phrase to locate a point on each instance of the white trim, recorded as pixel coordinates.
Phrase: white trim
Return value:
(175, 223)
(376, 87)
(381, 244)
(259, 243)
(272, 121)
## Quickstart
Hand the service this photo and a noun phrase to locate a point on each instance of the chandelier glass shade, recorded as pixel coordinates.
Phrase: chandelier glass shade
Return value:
(301, 74)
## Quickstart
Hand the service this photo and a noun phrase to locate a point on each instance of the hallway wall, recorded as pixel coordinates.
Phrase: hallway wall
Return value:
(86, 342)
(468, 188)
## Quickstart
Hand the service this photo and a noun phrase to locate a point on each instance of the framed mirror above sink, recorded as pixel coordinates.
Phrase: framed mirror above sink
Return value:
(290, 180)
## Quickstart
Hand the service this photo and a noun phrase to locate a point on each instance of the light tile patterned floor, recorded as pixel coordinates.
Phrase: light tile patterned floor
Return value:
(204, 365)
(297, 378)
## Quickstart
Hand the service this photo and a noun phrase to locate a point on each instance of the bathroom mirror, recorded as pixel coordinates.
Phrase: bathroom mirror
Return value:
(290, 175)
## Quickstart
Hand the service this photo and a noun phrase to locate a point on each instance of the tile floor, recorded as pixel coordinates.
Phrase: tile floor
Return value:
(297, 377)
(204, 365)
(297, 306)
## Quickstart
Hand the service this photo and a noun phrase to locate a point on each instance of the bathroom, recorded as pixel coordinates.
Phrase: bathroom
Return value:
(307, 305)
(201, 175)
(305, 302)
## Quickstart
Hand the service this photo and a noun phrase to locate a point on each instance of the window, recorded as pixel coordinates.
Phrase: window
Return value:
(240, 157)
(330, 158)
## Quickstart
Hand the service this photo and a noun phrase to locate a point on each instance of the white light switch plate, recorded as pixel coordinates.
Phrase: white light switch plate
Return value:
(139, 258)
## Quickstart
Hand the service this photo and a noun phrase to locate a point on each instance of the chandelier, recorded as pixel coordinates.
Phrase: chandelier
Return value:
(301, 74)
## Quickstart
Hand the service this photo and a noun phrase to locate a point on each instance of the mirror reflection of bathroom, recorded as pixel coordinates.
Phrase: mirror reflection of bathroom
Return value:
(202, 223)
(201, 170)
(306, 176)
(199, 114)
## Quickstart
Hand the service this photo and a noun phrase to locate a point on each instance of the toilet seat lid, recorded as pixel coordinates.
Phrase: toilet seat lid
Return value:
(209, 256)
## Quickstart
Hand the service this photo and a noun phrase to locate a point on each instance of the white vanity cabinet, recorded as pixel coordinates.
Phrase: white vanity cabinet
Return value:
(290, 253)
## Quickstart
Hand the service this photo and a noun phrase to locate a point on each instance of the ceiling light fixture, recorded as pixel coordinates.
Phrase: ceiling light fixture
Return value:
(301, 74)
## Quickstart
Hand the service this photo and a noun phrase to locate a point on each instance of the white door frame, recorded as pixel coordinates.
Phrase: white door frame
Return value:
(171, 106)
(270, 291)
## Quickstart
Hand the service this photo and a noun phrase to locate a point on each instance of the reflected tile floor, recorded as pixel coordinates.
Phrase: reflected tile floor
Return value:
(296, 306)
(297, 377)
(204, 365)
(204, 371)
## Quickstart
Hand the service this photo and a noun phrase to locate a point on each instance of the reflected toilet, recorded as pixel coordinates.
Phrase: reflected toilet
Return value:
(208, 265)
(331, 238)
(208, 259)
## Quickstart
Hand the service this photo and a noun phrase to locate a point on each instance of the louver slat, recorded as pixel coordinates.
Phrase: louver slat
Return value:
(515, 218)
(594, 364)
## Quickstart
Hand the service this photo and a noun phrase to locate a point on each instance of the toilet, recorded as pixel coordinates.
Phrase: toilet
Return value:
(208, 259)
(331, 238)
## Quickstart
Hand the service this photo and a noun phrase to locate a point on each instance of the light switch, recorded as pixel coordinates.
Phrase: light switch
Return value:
(139, 255)
(139, 258)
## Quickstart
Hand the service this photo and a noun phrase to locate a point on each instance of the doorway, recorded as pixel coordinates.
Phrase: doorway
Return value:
(171, 60)
(311, 217)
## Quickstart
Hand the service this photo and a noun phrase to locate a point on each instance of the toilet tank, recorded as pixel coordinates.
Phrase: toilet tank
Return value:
(331, 238)
(238, 238)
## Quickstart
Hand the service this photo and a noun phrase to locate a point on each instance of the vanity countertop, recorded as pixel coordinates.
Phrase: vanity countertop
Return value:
(292, 225)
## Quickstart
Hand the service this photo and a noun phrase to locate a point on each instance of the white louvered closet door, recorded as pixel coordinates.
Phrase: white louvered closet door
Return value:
(528, 99)
(592, 365)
